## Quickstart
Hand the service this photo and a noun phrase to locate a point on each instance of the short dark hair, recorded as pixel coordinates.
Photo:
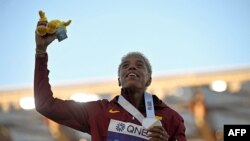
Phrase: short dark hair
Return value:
(145, 59)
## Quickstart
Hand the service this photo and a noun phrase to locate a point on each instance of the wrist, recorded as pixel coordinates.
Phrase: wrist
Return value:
(40, 52)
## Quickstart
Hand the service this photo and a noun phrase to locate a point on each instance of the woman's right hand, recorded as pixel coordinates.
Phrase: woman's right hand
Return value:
(42, 42)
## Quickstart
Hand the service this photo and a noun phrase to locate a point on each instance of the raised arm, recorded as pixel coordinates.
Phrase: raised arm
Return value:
(66, 112)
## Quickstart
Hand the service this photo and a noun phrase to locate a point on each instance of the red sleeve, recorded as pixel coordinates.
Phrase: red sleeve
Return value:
(66, 112)
(180, 131)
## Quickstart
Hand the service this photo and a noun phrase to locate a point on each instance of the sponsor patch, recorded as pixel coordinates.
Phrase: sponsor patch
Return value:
(123, 131)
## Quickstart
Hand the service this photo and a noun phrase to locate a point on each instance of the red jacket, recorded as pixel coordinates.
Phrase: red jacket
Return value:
(94, 117)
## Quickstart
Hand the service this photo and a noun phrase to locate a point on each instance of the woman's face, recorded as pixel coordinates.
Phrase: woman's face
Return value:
(133, 73)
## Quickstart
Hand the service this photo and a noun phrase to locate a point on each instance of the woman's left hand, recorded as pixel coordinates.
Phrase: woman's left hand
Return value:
(158, 133)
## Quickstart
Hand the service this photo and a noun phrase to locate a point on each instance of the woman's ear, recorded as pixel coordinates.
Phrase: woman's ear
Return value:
(149, 81)
(119, 82)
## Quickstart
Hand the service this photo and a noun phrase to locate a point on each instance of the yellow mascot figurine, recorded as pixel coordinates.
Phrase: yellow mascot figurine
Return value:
(54, 26)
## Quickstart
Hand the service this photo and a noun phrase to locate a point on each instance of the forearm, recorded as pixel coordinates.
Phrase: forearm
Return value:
(41, 52)
(65, 112)
(45, 103)
(42, 88)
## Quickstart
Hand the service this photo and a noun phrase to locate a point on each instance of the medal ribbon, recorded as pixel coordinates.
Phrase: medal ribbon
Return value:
(149, 104)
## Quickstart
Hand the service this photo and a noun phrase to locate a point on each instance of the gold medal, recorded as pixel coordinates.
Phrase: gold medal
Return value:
(150, 122)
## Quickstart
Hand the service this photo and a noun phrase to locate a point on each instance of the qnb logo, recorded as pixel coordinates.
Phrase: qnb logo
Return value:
(236, 132)
(135, 130)
(120, 127)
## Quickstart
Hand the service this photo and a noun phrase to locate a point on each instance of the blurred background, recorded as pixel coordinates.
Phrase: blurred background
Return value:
(199, 51)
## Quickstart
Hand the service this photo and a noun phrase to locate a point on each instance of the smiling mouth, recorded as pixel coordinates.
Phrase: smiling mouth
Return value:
(132, 75)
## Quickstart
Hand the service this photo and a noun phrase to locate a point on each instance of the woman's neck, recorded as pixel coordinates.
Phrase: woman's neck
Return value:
(135, 96)
(138, 97)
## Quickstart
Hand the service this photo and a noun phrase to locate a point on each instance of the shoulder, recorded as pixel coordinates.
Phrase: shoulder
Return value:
(97, 104)
(100, 104)
(96, 108)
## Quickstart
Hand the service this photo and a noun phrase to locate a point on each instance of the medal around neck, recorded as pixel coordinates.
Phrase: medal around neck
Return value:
(147, 122)
(150, 122)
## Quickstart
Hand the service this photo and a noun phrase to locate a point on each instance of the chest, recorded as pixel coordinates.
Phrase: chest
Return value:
(117, 119)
